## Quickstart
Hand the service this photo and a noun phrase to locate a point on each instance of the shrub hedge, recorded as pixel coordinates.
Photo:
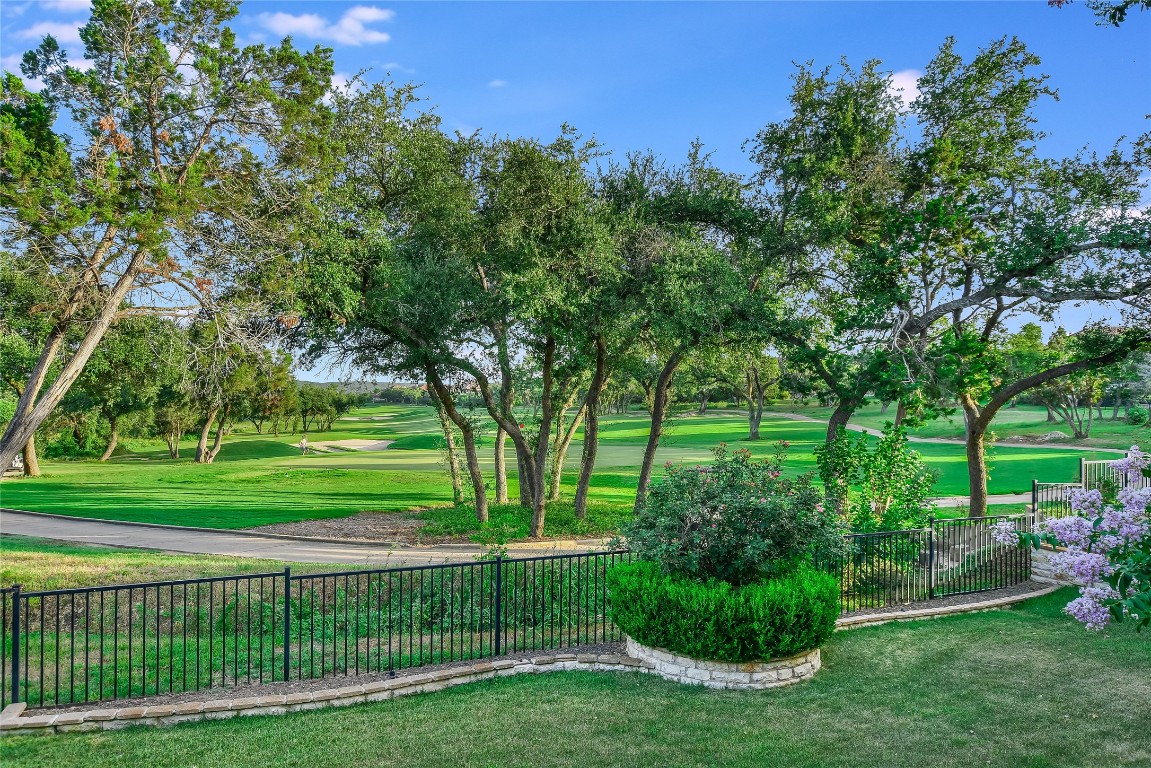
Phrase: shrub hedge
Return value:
(776, 617)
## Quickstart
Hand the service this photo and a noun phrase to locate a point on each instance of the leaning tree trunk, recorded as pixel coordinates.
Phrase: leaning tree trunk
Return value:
(469, 435)
(113, 439)
(202, 443)
(33, 408)
(561, 453)
(173, 441)
(591, 429)
(501, 466)
(659, 403)
(218, 441)
(31, 462)
(453, 453)
(900, 412)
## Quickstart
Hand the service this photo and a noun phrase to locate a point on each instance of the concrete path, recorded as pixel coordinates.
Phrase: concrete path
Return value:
(1002, 498)
(947, 440)
(245, 544)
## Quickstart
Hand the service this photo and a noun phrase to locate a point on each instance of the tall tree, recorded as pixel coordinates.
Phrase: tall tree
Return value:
(186, 145)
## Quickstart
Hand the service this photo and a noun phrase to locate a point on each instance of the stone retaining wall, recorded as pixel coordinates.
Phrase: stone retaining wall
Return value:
(749, 676)
(12, 721)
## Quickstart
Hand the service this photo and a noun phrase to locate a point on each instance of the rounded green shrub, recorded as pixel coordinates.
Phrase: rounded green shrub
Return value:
(712, 619)
(737, 520)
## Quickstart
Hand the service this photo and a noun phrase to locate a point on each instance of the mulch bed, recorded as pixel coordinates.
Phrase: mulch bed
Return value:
(952, 600)
(320, 684)
(385, 527)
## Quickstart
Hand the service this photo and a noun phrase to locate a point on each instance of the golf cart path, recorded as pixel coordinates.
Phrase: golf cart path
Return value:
(949, 440)
(248, 544)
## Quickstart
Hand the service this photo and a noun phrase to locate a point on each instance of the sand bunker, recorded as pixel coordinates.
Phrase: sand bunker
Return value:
(349, 445)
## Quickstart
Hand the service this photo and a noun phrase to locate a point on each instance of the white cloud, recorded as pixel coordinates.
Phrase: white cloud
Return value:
(497, 83)
(64, 32)
(350, 29)
(905, 84)
(395, 66)
(67, 6)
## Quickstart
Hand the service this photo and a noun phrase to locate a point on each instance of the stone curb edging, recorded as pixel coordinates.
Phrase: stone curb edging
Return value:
(747, 676)
(545, 545)
(873, 619)
(13, 723)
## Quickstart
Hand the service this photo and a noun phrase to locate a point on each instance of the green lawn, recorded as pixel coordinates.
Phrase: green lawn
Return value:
(39, 564)
(261, 479)
(1023, 420)
(1020, 687)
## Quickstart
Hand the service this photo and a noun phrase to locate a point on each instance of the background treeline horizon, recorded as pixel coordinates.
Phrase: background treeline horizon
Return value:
(195, 205)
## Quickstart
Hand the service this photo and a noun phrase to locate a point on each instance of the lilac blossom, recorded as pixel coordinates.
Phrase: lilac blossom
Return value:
(1104, 538)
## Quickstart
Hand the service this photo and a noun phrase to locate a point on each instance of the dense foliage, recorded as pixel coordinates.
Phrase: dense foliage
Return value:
(879, 485)
(712, 619)
(736, 520)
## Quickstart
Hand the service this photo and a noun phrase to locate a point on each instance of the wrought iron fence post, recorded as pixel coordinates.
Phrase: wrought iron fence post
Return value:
(1034, 497)
(931, 557)
(287, 620)
(498, 606)
(15, 643)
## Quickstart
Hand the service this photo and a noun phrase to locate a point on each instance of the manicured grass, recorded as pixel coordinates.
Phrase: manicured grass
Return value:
(262, 479)
(1023, 420)
(37, 564)
(1024, 687)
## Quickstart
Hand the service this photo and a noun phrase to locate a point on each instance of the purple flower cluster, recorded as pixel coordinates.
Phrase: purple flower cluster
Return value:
(1132, 465)
(1097, 537)
(1091, 607)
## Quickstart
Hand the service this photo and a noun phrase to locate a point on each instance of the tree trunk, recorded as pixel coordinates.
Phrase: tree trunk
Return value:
(28, 416)
(113, 439)
(453, 454)
(900, 412)
(218, 441)
(31, 461)
(501, 466)
(755, 392)
(539, 465)
(473, 459)
(703, 402)
(883, 407)
(521, 473)
(1051, 415)
(839, 418)
(173, 441)
(976, 455)
(658, 413)
(591, 428)
(202, 443)
(561, 452)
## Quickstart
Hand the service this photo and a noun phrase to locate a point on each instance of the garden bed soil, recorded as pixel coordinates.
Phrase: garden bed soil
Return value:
(245, 690)
(387, 527)
(951, 601)
(381, 528)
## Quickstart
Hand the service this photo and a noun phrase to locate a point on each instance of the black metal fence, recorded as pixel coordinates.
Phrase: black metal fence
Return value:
(74, 646)
(1051, 499)
(948, 557)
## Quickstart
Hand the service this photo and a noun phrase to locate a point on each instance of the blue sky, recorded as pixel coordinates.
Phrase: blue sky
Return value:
(658, 75)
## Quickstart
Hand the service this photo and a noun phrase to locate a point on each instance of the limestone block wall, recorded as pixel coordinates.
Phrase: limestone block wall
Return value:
(718, 674)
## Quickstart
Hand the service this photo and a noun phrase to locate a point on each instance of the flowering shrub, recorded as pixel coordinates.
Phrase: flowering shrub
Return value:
(1107, 547)
(736, 520)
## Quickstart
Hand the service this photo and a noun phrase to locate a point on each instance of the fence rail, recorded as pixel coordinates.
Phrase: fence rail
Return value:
(1051, 499)
(74, 646)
